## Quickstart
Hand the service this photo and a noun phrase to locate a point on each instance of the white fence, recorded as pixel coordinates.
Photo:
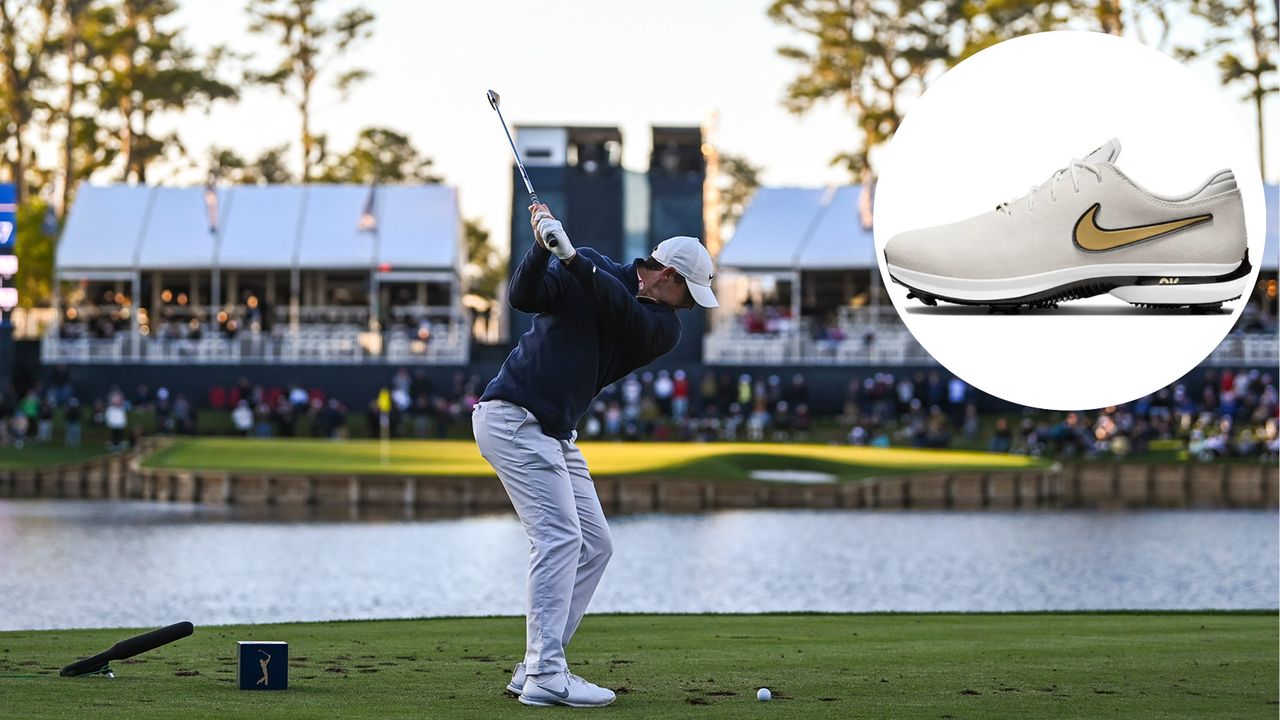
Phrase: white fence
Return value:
(726, 344)
(889, 343)
(320, 346)
(1247, 349)
(866, 336)
(886, 347)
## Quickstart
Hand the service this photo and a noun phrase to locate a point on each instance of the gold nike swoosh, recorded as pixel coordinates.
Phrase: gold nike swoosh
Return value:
(1088, 236)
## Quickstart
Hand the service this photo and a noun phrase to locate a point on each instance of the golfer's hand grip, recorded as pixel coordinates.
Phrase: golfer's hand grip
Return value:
(550, 240)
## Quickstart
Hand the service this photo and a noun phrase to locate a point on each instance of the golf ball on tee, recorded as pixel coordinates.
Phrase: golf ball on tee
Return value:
(763, 694)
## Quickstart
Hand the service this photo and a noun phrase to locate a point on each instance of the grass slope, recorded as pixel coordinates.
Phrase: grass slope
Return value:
(1193, 665)
(460, 458)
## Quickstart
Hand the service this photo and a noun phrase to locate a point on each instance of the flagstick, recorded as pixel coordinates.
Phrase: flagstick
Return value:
(385, 444)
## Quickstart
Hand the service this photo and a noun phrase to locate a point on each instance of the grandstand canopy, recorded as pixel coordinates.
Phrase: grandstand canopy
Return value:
(771, 229)
(104, 229)
(801, 229)
(418, 229)
(838, 241)
(311, 227)
(175, 231)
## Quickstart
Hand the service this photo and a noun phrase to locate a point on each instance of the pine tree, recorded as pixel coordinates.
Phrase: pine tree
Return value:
(310, 45)
(140, 71)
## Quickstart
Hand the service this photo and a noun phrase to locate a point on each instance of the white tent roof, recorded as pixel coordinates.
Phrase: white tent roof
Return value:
(838, 240)
(312, 227)
(103, 228)
(801, 229)
(331, 236)
(177, 233)
(772, 229)
(419, 226)
(261, 229)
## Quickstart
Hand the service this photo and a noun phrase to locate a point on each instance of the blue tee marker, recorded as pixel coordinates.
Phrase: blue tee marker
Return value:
(263, 665)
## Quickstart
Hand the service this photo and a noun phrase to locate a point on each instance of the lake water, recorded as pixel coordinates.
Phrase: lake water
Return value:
(103, 564)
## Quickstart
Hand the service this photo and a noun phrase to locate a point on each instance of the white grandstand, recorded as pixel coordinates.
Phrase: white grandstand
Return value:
(292, 274)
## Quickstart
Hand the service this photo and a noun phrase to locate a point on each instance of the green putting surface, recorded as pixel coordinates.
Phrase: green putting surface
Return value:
(459, 458)
(1122, 665)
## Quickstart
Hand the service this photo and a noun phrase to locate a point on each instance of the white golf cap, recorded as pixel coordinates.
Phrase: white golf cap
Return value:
(693, 262)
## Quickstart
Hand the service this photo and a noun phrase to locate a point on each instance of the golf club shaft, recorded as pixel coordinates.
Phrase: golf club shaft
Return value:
(533, 196)
(514, 151)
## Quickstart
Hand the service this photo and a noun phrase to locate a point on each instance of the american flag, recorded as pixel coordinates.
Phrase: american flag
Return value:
(211, 204)
(368, 220)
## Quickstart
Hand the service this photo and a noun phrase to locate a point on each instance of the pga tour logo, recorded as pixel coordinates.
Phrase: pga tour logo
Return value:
(6, 232)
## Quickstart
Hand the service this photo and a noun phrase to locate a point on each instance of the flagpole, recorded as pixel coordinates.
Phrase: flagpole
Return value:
(215, 283)
(369, 223)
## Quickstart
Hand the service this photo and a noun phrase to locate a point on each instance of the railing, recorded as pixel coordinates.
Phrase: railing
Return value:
(83, 350)
(888, 346)
(344, 347)
(867, 315)
(440, 349)
(203, 351)
(727, 344)
(330, 314)
(1247, 349)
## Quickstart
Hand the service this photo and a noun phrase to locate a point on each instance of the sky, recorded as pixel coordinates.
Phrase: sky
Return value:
(629, 64)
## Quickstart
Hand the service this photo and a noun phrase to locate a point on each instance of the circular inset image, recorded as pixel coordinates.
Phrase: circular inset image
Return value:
(1068, 220)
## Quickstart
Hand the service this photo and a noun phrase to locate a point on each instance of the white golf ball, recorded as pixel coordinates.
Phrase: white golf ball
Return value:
(763, 694)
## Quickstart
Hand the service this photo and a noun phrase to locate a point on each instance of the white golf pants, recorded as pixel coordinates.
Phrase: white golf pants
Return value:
(552, 491)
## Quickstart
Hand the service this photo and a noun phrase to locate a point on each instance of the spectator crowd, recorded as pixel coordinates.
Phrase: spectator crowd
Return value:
(1229, 413)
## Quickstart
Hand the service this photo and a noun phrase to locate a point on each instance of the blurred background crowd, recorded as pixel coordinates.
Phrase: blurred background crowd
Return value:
(1214, 413)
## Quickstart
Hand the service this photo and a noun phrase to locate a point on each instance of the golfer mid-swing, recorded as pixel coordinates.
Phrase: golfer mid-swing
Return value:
(595, 322)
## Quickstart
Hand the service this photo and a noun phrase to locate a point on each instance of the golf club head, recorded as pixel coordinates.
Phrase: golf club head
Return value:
(494, 99)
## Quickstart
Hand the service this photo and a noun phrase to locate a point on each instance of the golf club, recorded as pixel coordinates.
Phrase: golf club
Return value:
(494, 101)
(100, 664)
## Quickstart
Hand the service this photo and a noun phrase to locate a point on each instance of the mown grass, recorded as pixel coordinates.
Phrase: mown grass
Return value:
(460, 458)
(1124, 665)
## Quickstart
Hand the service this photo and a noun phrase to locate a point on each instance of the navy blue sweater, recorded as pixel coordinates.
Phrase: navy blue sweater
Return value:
(590, 330)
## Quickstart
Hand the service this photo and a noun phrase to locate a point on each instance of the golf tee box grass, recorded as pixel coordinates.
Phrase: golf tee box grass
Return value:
(1023, 666)
(460, 458)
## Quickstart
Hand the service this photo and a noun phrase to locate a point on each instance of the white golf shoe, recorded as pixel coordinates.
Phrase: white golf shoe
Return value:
(1087, 230)
(516, 684)
(567, 689)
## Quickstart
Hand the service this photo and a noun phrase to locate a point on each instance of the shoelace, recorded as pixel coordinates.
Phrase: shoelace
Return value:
(1052, 182)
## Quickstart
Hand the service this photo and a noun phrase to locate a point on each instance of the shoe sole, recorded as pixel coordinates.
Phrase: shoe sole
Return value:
(511, 688)
(1149, 287)
(560, 703)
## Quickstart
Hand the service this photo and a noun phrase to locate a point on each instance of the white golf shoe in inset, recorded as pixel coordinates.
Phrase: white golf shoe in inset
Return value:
(565, 688)
(1087, 230)
(516, 684)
